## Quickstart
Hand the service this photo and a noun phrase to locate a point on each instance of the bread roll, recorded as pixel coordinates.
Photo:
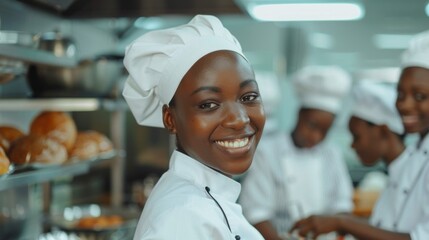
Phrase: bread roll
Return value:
(90, 144)
(9, 134)
(4, 162)
(4, 143)
(84, 148)
(103, 143)
(37, 149)
(56, 125)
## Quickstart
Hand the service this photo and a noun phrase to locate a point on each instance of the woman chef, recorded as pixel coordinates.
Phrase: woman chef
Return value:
(402, 213)
(195, 81)
(298, 174)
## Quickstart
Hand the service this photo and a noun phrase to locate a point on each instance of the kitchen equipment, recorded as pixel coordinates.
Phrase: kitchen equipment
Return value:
(91, 78)
(67, 220)
(57, 44)
(10, 68)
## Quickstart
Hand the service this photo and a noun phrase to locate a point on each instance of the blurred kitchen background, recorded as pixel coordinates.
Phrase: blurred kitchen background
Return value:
(376, 38)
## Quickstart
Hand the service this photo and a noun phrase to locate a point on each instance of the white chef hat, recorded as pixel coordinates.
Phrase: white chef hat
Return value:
(375, 102)
(417, 54)
(322, 87)
(158, 60)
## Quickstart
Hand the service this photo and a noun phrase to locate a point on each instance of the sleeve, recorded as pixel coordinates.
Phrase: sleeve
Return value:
(258, 189)
(194, 223)
(341, 189)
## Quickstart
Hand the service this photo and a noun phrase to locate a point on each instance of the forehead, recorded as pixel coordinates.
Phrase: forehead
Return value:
(356, 122)
(312, 113)
(217, 65)
(415, 75)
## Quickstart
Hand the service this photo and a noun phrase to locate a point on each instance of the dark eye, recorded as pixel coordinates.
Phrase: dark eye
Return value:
(420, 96)
(250, 97)
(209, 105)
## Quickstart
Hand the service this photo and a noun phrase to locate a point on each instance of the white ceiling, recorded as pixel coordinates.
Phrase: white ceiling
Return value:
(348, 43)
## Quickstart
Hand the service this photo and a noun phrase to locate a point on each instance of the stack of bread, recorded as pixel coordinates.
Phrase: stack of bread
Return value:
(53, 139)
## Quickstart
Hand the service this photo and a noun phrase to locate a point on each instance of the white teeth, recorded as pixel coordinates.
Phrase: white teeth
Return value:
(237, 143)
(409, 118)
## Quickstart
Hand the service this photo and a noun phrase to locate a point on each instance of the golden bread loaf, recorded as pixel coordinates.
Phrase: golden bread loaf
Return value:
(9, 134)
(37, 149)
(56, 125)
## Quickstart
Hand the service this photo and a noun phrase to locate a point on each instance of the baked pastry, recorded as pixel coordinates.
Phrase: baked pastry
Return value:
(4, 143)
(9, 134)
(99, 222)
(84, 147)
(90, 144)
(56, 125)
(37, 149)
(4, 162)
(103, 143)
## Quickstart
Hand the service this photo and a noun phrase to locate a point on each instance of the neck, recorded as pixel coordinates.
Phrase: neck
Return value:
(394, 148)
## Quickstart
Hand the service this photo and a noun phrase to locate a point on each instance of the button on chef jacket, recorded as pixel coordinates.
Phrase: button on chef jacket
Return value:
(180, 208)
(404, 204)
(286, 183)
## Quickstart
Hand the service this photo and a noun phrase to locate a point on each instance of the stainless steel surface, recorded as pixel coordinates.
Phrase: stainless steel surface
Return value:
(41, 175)
(57, 44)
(60, 104)
(91, 78)
(11, 68)
(18, 38)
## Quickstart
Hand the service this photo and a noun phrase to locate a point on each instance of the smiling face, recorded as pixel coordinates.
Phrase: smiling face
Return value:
(217, 114)
(413, 99)
(367, 141)
(312, 127)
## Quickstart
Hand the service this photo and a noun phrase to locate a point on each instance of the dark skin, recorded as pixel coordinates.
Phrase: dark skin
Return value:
(217, 114)
(413, 106)
(311, 128)
(373, 143)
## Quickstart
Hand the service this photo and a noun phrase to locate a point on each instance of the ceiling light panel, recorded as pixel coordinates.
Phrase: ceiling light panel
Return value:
(297, 10)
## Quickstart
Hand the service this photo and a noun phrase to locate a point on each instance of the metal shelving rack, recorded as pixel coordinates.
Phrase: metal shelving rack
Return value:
(117, 109)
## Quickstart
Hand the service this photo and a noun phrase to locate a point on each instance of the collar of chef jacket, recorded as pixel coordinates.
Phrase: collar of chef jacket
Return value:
(201, 175)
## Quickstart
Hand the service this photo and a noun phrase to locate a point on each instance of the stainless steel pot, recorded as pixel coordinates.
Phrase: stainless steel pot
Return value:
(57, 44)
(91, 78)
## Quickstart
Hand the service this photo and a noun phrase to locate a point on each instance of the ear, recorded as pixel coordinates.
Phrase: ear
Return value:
(168, 119)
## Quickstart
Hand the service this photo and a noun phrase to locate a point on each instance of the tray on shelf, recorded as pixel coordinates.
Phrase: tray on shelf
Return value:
(35, 173)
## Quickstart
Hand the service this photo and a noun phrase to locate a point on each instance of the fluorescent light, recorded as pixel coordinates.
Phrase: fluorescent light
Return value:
(392, 41)
(306, 11)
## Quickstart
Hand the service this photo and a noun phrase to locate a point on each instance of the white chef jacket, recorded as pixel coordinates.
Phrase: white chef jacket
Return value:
(180, 208)
(404, 204)
(286, 183)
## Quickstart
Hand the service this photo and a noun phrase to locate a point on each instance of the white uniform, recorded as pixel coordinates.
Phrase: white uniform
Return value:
(180, 208)
(404, 204)
(285, 183)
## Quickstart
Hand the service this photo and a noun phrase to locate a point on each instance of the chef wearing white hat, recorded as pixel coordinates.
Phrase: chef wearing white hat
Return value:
(195, 81)
(402, 212)
(300, 172)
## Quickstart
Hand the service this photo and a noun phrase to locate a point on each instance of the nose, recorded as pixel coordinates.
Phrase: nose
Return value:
(404, 104)
(235, 116)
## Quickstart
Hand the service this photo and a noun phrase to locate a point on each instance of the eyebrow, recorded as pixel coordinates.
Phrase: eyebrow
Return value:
(217, 90)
